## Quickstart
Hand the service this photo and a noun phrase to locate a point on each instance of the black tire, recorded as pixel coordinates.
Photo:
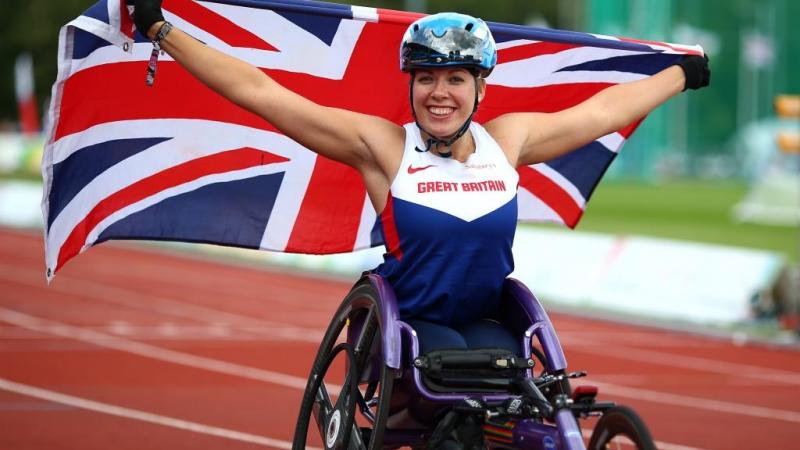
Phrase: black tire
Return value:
(620, 423)
(361, 310)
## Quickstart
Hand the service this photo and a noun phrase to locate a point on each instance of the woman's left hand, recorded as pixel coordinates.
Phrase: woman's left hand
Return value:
(145, 14)
(696, 70)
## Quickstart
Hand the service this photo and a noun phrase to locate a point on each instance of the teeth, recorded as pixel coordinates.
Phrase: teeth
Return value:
(440, 110)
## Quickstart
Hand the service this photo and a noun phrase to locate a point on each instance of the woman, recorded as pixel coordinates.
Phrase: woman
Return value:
(444, 187)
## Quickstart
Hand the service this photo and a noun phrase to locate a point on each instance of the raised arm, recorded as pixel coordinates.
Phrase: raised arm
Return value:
(529, 138)
(338, 134)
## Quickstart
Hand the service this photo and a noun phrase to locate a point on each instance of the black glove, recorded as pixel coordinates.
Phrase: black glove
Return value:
(696, 69)
(145, 14)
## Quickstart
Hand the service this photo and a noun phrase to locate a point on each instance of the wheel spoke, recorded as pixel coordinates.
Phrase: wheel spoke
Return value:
(322, 409)
(363, 343)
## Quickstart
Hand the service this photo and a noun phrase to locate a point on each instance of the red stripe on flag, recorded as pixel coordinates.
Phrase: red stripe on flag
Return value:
(551, 194)
(502, 99)
(224, 29)
(390, 229)
(661, 44)
(227, 161)
(335, 196)
(333, 201)
(117, 92)
(125, 20)
(530, 50)
(628, 131)
(398, 17)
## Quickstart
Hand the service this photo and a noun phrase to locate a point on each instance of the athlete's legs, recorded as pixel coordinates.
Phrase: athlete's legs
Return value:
(433, 336)
(487, 333)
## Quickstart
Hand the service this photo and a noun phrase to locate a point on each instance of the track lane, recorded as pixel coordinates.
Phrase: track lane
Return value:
(73, 422)
(671, 423)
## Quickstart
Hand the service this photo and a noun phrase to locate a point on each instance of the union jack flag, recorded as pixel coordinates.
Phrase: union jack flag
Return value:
(179, 162)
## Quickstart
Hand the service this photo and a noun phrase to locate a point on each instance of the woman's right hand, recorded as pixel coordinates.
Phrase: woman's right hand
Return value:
(695, 69)
(145, 14)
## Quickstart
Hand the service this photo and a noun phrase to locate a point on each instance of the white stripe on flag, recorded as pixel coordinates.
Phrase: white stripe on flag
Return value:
(364, 13)
(294, 44)
(515, 43)
(612, 141)
(544, 70)
(289, 200)
(533, 208)
(100, 29)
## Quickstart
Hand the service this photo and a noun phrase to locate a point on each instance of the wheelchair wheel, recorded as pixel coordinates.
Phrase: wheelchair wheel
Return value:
(621, 428)
(346, 376)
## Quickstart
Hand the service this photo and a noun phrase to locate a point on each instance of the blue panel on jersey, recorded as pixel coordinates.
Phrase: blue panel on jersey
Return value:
(451, 271)
(584, 167)
(98, 11)
(81, 167)
(229, 213)
(643, 64)
(323, 27)
(376, 235)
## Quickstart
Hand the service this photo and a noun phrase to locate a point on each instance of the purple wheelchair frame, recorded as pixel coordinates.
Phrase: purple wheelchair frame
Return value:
(522, 314)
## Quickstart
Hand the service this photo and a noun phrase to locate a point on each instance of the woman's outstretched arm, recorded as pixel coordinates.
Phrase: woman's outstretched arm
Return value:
(338, 134)
(529, 138)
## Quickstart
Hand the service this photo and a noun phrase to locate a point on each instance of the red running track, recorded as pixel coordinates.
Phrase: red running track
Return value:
(131, 348)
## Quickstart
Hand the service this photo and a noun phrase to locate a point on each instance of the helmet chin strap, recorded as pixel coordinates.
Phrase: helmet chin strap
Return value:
(437, 141)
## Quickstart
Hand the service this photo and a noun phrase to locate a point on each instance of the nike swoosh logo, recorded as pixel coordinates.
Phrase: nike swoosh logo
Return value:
(413, 170)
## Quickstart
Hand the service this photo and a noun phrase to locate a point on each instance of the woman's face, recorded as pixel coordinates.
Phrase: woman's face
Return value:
(444, 98)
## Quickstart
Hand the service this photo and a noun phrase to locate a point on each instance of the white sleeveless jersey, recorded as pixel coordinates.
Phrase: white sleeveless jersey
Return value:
(448, 228)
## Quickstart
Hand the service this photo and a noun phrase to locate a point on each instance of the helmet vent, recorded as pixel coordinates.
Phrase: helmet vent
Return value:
(469, 26)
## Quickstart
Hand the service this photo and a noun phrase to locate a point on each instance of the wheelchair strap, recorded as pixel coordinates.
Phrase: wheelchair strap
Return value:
(498, 359)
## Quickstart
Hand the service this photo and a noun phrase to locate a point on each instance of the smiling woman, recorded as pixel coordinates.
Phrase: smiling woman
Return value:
(443, 102)
(443, 186)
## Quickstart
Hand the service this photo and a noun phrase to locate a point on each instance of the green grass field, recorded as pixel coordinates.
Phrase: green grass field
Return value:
(687, 210)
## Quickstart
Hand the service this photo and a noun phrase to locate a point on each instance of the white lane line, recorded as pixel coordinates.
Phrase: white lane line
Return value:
(661, 445)
(700, 403)
(697, 363)
(599, 338)
(281, 379)
(148, 351)
(128, 413)
(132, 299)
(110, 294)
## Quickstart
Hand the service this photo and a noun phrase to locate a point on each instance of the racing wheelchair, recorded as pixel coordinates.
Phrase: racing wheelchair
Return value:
(370, 388)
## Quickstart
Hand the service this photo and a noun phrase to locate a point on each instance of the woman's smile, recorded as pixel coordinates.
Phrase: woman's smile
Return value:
(443, 99)
(441, 111)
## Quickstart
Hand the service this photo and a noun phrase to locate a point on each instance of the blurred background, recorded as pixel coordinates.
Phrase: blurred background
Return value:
(717, 166)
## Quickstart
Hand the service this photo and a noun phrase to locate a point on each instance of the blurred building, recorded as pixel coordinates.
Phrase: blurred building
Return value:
(754, 50)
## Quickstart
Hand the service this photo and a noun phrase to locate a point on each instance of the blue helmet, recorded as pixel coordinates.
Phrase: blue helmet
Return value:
(448, 39)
